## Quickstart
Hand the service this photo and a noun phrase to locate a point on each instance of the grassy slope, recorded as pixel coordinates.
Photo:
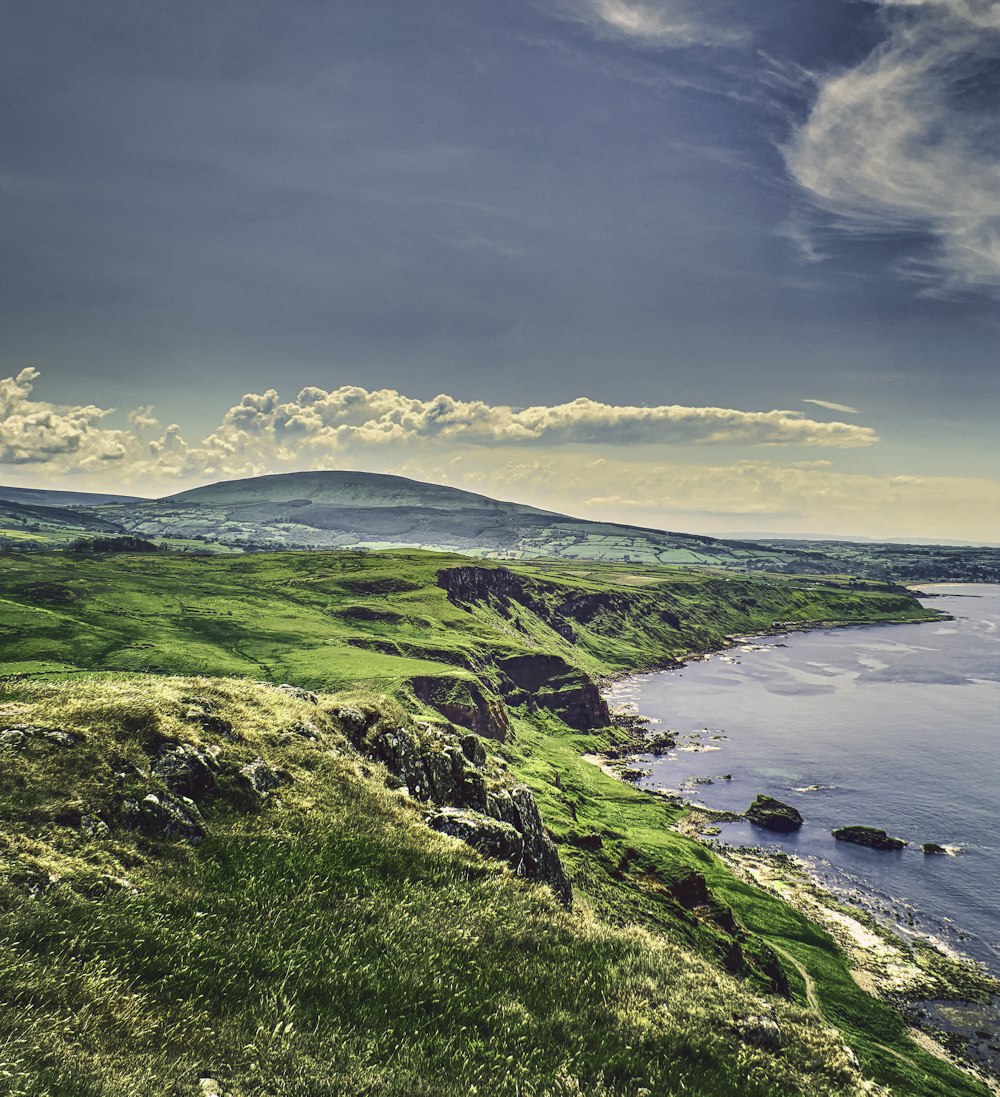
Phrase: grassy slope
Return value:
(282, 617)
(288, 615)
(326, 942)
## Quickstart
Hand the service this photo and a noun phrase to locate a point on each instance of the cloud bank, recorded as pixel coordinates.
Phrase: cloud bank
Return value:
(564, 457)
(906, 140)
(262, 433)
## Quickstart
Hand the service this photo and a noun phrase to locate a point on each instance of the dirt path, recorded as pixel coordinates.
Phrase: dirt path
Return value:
(921, 1039)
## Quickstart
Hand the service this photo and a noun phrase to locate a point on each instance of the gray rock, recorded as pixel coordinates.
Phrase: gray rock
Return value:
(299, 694)
(18, 736)
(186, 770)
(474, 750)
(772, 814)
(490, 837)
(261, 778)
(163, 816)
(761, 1032)
(94, 826)
(12, 739)
(871, 837)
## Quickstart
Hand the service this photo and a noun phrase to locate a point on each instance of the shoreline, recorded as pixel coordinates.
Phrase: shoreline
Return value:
(882, 962)
(728, 642)
(914, 977)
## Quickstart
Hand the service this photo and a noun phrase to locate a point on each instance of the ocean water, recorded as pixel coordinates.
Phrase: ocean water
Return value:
(895, 726)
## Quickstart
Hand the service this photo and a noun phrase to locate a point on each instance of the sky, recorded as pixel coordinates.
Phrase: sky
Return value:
(701, 265)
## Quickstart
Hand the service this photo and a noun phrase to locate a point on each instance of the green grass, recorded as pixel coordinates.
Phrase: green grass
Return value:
(328, 943)
(584, 800)
(402, 962)
(286, 615)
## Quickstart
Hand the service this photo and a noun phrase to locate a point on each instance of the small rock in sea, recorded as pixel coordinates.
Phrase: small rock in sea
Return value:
(772, 814)
(933, 847)
(871, 837)
(726, 777)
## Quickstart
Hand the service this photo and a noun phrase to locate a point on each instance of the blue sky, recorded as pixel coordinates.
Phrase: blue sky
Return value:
(649, 204)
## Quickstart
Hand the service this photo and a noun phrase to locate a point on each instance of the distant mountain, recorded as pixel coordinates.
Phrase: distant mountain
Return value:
(41, 497)
(327, 510)
(362, 509)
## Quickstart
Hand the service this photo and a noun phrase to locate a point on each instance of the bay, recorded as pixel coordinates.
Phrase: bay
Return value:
(894, 726)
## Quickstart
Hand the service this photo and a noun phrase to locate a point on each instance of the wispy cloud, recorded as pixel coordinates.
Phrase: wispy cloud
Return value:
(263, 433)
(905, 140)
(654, 22)
(832, 406)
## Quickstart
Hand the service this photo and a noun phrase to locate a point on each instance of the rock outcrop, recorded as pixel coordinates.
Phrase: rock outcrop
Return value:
(871, 837)
(549, 682)
(774, 815)
(543, 680)
(468, 794)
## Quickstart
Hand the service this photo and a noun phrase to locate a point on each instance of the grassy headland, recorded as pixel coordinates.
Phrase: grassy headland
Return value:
(318, 937)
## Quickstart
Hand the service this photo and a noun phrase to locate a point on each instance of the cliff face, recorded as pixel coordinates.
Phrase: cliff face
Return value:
(549, 682)
(500, 588)
(464, 702)
(541, 680)
(468, 795)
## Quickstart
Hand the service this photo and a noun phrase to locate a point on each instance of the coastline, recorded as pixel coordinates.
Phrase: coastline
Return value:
(912, 979)
(926, 984)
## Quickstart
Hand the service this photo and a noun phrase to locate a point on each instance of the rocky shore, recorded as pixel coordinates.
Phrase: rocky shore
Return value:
(951, 1004)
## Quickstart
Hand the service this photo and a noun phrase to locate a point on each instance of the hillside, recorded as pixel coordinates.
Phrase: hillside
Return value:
(341, 509)
(45, 497)
(294, 875)
(307, 932)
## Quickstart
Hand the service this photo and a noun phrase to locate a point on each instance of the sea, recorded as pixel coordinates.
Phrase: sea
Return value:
(893, 726)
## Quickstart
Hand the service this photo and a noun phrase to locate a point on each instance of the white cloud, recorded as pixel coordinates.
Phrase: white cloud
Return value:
(564, 457)
(830, 405)
(906, 140)
(654, 22)
(351, 416)
(318, 428)
(33, 431)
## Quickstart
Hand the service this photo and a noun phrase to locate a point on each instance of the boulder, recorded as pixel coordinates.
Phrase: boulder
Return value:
(185, 770)
(260, 778)
(761, 1032)
(298, 693)
(490, 837)
(539, 856)
(18, 736)
(933, 847)
(163, 816)
(871, 837)
(772, 814)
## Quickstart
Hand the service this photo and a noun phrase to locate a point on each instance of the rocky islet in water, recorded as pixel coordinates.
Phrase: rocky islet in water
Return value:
(772, 814)
(871, 837)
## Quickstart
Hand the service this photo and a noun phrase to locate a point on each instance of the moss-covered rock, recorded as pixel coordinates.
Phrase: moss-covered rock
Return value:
(871, 837)
(775, 815)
